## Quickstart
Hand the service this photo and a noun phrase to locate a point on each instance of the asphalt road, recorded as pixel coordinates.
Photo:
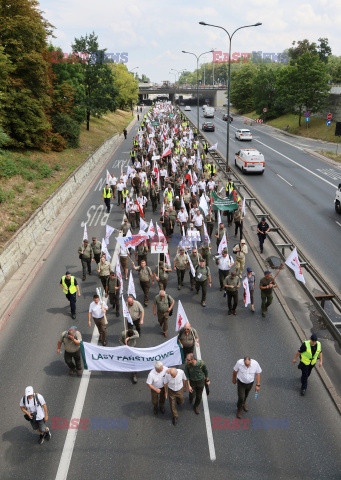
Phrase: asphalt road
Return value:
(288, 437)
(298, 188)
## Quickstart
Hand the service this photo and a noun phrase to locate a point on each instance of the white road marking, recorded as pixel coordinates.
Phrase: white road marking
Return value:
(286, 181)
(339, 224)
(207, 417)
(331, 173)
(65, 459)
(298, 164)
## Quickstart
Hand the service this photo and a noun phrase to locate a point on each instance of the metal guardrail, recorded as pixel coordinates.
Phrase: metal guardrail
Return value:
(257, 209)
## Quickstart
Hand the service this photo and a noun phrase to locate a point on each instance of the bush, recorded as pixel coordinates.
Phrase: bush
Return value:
(68, 128)
(44, 170)
(8, 168)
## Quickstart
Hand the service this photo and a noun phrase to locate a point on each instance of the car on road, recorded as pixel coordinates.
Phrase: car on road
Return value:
(187, 108)
(250, 160)
(337, 200)
(208, 127)
(209, 112)
(243, 134)
(225, 117)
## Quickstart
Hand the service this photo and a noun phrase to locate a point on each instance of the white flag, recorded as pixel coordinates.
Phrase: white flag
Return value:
(126, 313)
(214, 147)
(222, 244)
(151, 230)
(219, 218)
(129, 234)
(191, 265)
(119, 274)
(244, 210)
(160, 233)
(206, 234)
(293, 262)
(85, 234)
(131, 285)
(168, 260)
(108, 231)
(183, 204)
(105, 250)
(108, 177)
(203, 205)
(143, 224)
(247, 296)
(181, 317)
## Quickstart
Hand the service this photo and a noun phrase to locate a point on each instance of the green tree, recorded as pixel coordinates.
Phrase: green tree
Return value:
(265, 92)
(127, 86)
(324, 49)
(23, 36)
(143, 79)
(334, 68)
(242, 80)
(301, 47)
(100, 92)
(304, 85)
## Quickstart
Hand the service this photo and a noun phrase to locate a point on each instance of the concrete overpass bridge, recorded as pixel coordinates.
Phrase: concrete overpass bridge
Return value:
(216, 96)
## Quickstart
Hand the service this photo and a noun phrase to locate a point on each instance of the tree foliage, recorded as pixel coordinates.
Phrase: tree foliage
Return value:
(100, 91)
(126, 85)
(242, 80)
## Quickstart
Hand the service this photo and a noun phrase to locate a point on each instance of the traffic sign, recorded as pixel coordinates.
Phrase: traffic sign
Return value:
(265, 109)
(307, 119)
(329, 122)
(307, 114)
(329, 116)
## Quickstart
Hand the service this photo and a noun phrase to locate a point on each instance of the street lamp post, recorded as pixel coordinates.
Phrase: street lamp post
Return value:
(131, 71)
(229, 82)
(213, 49)
(197, 57)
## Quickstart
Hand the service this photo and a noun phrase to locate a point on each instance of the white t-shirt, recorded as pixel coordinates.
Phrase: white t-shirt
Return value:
(176, 383)
(96, 309)
(156, 378)
(225, 263)
(202, 185)
(112, 181)
(182, 216)
(211, 184)
(124, 179)
(247, 374)
(32, 407)
(120, 186)
(198, 220)
(163, 172)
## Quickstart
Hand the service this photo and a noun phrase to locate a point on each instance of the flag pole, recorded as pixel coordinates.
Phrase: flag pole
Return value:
(280, 268)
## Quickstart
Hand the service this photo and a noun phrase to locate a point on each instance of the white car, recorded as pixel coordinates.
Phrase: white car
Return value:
(243, 134)
(250, 160)
(187, 108)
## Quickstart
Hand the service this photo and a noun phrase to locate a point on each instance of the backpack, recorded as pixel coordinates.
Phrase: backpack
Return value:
(36, 402)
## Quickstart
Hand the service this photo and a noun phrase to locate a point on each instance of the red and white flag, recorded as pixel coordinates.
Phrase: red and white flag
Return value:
(181, 317)
(108, 176)
(219, 216)
(247, 296)
(125, 310)
(293, 262)
(143, 224)
(167, 151)
(162, 238)
(105, 250)
(151, 230)
(244, 207)
(222, 244)
(108, 231)
(189, 177)
(214, 147)
(191, 265)
(85, 233)
(140, 208)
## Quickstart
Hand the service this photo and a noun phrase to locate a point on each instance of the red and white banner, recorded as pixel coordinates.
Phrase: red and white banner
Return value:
(181, 317)
(162, 238)
(151, 230)
(293, 262)
(247, 296)
(133, 240)
(167, 151)
(108, 231)
(222, 245)
(105, 250)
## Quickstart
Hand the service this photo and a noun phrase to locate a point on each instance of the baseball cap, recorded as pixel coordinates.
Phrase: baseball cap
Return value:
(263, 219)
(266, 272)
(182, 249)
(94, 238)
(249, 269)
(67, 272)
(242, 241)
(313, 337)
(28, 391)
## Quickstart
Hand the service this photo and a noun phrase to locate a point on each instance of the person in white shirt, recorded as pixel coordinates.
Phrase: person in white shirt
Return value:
(198, 221)
(113, 184)
(211, 184)
(97, 312)
(155, 383)
(175, 382)
(123, 254)
(143, 176)
(34, 407)
(163, 175)
(137, 165)
(124, 178)
(202, 186)
(182, 219)
(244, 373)
(120, 187)
(225, 262)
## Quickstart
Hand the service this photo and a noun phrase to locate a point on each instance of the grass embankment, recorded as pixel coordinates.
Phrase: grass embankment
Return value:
(332, 155)
(27, 178)
(317, 127)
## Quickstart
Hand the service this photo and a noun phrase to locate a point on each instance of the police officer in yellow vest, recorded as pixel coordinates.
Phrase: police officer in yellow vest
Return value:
(70, 288)
(107, 194)
(309, 351)
(212, 169)
(206, 146)
(133, 156)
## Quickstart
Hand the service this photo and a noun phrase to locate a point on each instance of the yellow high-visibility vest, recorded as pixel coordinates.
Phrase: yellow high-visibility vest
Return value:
(72, 288)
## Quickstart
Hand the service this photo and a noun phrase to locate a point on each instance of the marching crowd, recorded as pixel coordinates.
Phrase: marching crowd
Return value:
(170, 172)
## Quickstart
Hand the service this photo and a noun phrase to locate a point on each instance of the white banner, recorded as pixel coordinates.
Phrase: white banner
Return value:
(181, 317)
(130, 359)
(191, 265)
(293, 262)
(219, 219)
(244, 207)
(131, 285)
(143, 224)
(105, 250)
(108, 231)
(203, 205)
(159, 248)
(85, 234)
